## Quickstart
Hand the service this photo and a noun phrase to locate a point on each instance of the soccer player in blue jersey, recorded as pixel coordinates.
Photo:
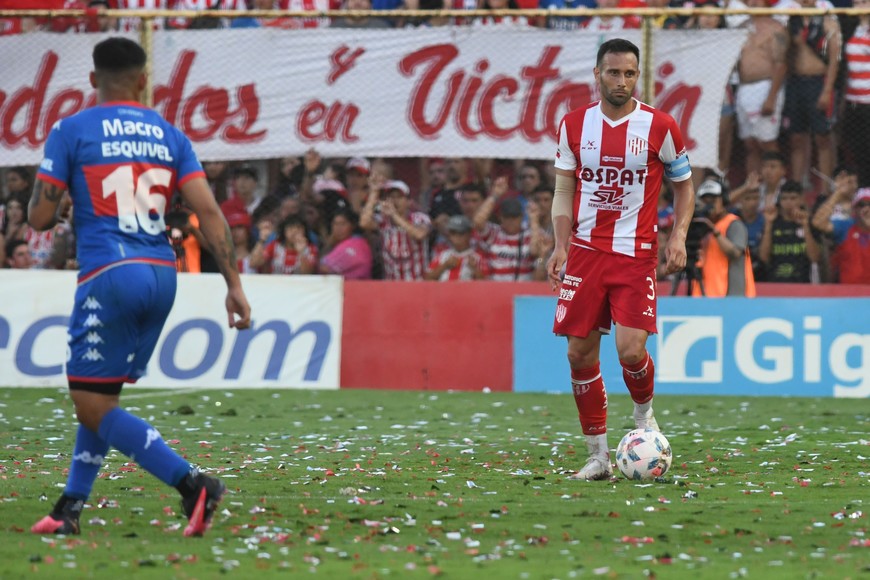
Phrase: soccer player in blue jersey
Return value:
(121, 163)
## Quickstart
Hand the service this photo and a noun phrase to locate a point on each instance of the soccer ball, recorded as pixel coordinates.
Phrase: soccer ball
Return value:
(643, 454)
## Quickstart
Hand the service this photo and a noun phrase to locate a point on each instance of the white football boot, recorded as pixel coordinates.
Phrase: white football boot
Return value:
(598, 465)
(644, 417)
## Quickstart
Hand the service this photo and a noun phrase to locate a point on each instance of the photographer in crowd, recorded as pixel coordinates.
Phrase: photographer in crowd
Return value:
(724, 262)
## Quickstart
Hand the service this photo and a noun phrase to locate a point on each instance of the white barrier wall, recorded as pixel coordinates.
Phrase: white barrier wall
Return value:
(294, 341)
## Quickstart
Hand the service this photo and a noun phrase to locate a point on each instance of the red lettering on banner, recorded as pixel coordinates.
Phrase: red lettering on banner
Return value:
(30, 101)
(679, 101)
(31, 105)
(317, 122)
(341, 62)
(478, 98)
(214, 105)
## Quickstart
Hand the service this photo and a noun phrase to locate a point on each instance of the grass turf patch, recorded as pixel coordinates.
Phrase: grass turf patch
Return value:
(375, 484)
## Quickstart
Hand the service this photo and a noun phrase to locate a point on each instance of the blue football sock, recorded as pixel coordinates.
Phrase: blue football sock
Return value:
(88, 455)
(142, 443)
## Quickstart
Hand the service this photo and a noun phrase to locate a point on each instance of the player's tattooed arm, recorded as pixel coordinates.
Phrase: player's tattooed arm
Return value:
(224, 252)
(42, 211)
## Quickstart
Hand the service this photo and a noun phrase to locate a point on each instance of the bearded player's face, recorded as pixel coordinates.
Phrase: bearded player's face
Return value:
(617, 77)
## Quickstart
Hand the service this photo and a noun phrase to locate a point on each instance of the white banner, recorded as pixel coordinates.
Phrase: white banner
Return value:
(263, 93)
(294, 341)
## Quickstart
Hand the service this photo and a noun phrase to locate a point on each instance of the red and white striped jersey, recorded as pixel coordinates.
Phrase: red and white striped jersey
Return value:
(40, 245)
(508, 256)
(404, 257)
(619, 167)
(211, 4)
(283, 260)
(128, 24)
(306, 5)
(858, 66)
(469, 260)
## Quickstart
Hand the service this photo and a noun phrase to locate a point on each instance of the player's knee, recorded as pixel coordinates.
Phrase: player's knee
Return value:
(92, 407)
(581, 358)
(632, 354)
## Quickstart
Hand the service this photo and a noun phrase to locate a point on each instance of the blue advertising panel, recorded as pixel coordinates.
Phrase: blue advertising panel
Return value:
(733, 346)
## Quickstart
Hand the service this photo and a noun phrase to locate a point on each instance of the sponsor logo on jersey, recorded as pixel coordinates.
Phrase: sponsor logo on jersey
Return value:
(637, 145)
(590, 146)
(649, 312)
(613, 176)
(93, 355)
(566, 294)
(94, 338)
(608, 199)
(91, 304)
(92, 321)
(572, 280)
(561, 311)
(612, 159)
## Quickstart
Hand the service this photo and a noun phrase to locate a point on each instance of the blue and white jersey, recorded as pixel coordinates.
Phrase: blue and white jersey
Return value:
(121, 163)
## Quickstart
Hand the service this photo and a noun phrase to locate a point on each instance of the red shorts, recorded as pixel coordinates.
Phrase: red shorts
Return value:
(599, 287)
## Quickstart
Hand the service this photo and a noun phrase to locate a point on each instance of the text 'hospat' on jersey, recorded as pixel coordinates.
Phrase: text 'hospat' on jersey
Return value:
(121, 163)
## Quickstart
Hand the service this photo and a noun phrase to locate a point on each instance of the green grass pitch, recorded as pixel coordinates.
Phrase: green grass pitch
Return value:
(382, 484)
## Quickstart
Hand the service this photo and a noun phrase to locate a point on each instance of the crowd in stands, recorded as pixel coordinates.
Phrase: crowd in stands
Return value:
(460, 219)
(794, 131)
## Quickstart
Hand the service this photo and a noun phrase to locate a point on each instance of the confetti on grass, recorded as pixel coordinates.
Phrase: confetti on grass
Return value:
(368, 484)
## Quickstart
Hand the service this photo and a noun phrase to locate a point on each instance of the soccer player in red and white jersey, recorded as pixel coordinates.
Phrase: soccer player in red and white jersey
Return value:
(404, 233)
(611, 159)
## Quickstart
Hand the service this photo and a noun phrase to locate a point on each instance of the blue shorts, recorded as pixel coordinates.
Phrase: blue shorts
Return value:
(116, 321)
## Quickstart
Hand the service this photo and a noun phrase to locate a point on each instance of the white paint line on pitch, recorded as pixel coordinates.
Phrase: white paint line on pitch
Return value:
(166, 393)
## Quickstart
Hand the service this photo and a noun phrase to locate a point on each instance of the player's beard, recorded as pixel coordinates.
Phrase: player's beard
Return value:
(617, 100)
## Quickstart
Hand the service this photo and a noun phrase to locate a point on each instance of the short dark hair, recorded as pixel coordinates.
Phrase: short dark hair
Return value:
(847, 169)
(616, 45)
(118, 54)
(291, 220)
(22, 172)
(773, 156)
(12, 245)
(792, 186)
(248, 170)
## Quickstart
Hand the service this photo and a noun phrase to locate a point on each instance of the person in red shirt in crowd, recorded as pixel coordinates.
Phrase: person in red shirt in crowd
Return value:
(239, 221)
(851, 260)
(507, 246)
(404, 234)
(460, 261)
(290, 252)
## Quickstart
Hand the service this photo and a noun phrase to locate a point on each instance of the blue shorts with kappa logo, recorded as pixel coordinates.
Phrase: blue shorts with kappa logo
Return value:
(116, 321)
